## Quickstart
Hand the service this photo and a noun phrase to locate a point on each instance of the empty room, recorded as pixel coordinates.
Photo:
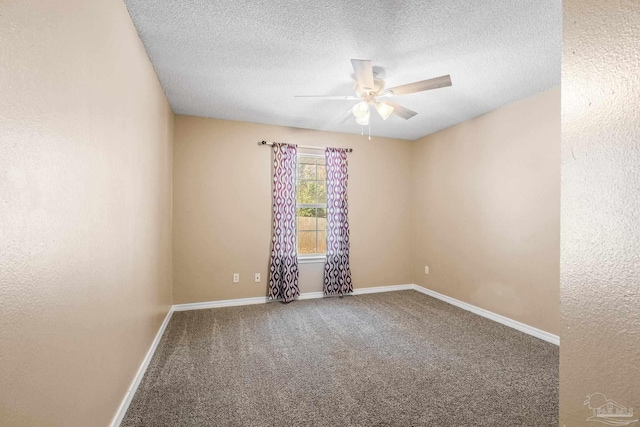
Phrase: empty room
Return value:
(223, 213)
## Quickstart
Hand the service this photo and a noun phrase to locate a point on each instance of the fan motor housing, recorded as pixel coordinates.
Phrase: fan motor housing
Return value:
(378, 88)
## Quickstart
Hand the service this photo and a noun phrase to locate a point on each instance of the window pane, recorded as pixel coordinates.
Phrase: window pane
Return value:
(306, 242)
(311, 160)
(306, 171)
(322, 191)
(306, 218)
(322, 242)
(306, 192)
(306, 212)
(322, 219)
(322, 173)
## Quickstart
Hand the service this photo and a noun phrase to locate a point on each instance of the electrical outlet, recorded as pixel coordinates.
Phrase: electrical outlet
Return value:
(236, 277)
(257, 277)
(426, 269)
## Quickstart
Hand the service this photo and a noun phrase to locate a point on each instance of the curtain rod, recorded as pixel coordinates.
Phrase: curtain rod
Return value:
(348, 150)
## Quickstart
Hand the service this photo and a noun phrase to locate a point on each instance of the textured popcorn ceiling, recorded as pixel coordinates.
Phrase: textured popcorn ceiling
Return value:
(242, 60)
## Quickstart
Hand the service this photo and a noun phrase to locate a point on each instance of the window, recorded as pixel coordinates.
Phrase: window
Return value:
(311, 205)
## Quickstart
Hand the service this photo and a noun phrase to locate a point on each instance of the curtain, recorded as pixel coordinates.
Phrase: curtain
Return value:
(283, 264)
(337, 273)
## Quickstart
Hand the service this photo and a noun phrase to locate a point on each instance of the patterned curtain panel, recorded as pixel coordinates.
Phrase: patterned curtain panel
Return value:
(283, 265)
(337, 273)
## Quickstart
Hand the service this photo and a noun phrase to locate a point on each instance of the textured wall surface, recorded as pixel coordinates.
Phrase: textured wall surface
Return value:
(486, 211)
(222, 208)
(85, 210)
(600, 261)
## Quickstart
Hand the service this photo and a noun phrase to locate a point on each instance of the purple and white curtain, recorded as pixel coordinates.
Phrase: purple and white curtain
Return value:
(283, 265)
(337, 273)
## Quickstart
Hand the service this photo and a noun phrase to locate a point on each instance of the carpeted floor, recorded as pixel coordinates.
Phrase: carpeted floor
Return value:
(390, 359)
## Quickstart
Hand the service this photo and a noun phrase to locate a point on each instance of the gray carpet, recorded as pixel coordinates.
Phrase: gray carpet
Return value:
(391, 359)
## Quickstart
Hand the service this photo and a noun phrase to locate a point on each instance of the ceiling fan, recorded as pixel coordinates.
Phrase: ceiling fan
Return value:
(369, 89)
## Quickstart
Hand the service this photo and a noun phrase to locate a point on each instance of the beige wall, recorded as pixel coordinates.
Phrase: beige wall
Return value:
(486, 197)
(222, 208)
(85, 210)
(600, 267)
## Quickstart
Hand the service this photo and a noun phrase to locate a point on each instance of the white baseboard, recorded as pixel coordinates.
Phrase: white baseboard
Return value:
(538, 333)
(530, 330)
(363, 291)
(122, 410)
(264, 300)
(220, 303)
(307, 295)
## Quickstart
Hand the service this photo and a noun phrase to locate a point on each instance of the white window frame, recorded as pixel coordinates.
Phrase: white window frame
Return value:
(308, 258)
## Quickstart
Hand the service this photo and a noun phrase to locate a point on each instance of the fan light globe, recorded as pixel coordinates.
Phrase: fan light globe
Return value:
(384, 110)
(360, 109)
(364, 120)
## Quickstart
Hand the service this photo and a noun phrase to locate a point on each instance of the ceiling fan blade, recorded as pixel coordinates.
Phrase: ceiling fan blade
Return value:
(347, 97)
(420, 86)
(364, 73)
(401, 111)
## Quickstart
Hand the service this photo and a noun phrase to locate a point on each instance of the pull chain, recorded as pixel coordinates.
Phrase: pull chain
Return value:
(369, 131)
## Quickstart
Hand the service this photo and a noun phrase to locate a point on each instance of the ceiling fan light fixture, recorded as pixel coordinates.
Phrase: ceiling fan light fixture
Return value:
(364, 120)
(384, 109)
(361, 109)
(368, 89)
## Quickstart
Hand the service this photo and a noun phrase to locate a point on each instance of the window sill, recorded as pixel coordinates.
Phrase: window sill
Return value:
(311, 259)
